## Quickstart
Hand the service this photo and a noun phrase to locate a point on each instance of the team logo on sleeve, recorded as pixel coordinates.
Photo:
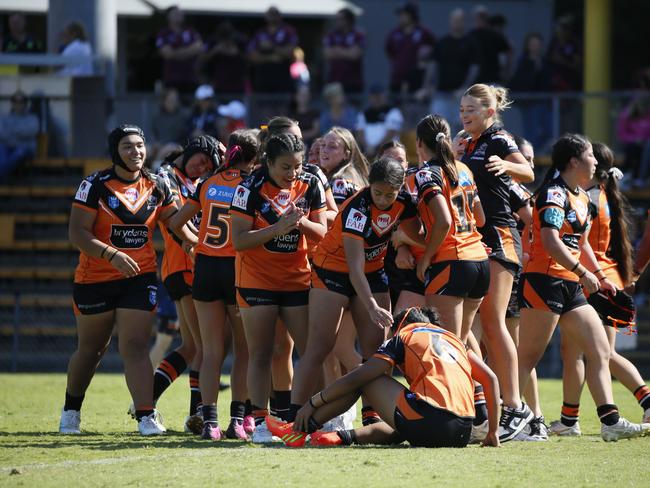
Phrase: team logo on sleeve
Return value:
(240, 199)
(356, 220)
(113, 202)
(557, 196)
(423, 177)
(82, 192)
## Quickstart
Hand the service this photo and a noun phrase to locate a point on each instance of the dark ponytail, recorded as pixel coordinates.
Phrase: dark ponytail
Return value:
(242, 147)
(620, 247)
(433, 131)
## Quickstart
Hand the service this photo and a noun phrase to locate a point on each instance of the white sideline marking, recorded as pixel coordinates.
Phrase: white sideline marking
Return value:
(106, 461)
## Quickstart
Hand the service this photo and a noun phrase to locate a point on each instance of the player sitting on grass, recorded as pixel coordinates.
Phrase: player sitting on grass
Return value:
(437, 408)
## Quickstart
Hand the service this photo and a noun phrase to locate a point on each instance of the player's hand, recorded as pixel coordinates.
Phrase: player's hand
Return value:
(497, 165)
(125, 264)
(422, 267)
(301, 423)
(288, 221)
(398, 238)
(589, 282)
(404, 259)
(381, 317)
(491, 440)
(608, 286)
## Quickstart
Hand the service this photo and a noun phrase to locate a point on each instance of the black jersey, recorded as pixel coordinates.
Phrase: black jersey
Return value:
(494, 191)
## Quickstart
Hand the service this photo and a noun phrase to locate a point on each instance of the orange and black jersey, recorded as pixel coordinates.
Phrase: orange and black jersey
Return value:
(281, 263)
(494, 191)
(435, 365)
(214, 197)
(559, 207)
(600, 234)
(126, 213)
(174, 258)
(360, 219)
(463, 241)
(342, 189)
(316, 171)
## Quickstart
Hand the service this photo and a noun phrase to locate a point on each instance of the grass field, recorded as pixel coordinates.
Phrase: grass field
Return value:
(111, 453)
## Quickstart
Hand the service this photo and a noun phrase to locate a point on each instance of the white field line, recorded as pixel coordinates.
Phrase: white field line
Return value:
(107, 461)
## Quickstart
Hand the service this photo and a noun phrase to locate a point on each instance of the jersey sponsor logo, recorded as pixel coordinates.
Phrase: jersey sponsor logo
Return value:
(516, 189)
(184, 191)
(286, 243)
(220, 193)
(556, 196)
(240, 199)
(129, 236)
(423, 177)
(443, 349)
(356, 220)
(132, 195)
(339, 187)
(283, 198)
(554, 216)
(509, 140)
(479, 152)
(113, 202)
(374, 252)
(153, 295)
(464, 179)
(82, 191)
(152, 201)
(382, 223)
(571, 216)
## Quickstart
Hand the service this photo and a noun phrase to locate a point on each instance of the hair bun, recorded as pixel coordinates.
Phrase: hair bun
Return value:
(615, 173)
(440, 136)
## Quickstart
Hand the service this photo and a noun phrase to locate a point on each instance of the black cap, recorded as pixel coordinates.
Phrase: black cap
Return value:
(205, 144)
(411, 8)
(116, 136)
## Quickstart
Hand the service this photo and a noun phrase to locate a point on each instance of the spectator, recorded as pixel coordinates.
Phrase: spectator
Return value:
(205, 118)
(298, 69)
(224, 60)
(76, 45)
(379, 123)
(533, 75)
(19, 40)
(168, 126)
(233, 118)
(302, 112)
(409, 47)
(344, 48)
(633, 130)
(180, 47)
(271, 52)
(565, 57)
(455, 67)
(337, 112)
(494, 50)
(18, 130)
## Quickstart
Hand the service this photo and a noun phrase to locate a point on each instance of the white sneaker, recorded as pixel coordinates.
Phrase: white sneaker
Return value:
(262, 435)
(513, 421)
(151, 425)
(70, 420)
(349, 417)
(479, 432)
(623, 429)
(558, 428)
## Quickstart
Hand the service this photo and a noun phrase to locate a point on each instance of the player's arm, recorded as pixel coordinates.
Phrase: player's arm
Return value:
(525, 213)
(486, 377)
(355, 257)
(643, 252)
(332, 209)
(80, 232)
(314, 227)
(514, 164)
(588, 259)
(178, 222)
(441, 225)
(479, 213)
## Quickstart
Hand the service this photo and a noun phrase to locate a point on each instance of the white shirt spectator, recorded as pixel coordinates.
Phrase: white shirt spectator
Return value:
(78, 49)
(378, 125)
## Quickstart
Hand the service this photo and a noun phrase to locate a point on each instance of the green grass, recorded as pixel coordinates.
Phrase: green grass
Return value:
(112, 454)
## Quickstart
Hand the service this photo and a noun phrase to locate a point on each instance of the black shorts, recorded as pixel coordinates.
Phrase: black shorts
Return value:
(467, 279)
(178, 284)
(400, 280)
(505, 246)
(167, 325)
(543, 292)
(251, 297)
(513, 310)
(618, 310)
(338, 282)
(214, 279)
(432, 427)
(137, 293)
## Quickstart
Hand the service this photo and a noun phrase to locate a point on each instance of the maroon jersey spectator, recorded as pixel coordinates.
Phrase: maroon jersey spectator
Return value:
(344, 47)
(271, 54)
(180, 48)
(565, 57)
(408, 46)
(494, 50)
(224, 60)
